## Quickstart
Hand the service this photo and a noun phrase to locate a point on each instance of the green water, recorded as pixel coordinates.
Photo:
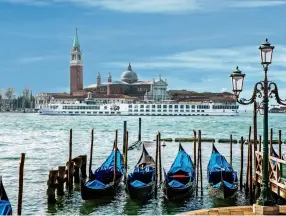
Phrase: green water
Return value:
(44, 139)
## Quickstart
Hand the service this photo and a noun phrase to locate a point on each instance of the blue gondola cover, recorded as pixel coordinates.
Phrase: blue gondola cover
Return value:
(138, 184)
(5, 207)
(108, 166)
(95, 184)
(183, 163)
(218, 162)
(176, 184)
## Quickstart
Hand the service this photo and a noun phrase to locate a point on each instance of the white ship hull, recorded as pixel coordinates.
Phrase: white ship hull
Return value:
(141, 110)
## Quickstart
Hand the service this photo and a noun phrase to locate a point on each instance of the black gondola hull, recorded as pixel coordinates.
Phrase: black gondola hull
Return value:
(93, 194)
(223, 191)
(178, 193)
(140, 192)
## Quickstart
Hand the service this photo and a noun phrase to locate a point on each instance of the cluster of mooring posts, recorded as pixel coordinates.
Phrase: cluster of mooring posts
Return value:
(75, 169)
(70, 175)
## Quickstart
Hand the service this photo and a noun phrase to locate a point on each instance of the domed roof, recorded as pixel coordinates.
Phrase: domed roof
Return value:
(129, 76)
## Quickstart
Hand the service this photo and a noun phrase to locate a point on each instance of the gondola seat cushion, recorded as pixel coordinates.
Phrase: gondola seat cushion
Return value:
(176, 184)
(138, 184)
(95, 184)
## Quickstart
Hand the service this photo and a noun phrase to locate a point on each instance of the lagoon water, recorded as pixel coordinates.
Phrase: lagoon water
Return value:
(44, 139)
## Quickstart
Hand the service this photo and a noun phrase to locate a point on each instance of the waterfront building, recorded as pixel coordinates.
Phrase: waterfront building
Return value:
(129, 86)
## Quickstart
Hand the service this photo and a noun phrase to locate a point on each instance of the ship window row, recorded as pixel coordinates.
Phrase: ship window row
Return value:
(82, 107)
(159, 106)
(153, 110)
(225, 107)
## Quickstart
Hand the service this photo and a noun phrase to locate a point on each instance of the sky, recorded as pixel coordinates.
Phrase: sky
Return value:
(194, 44)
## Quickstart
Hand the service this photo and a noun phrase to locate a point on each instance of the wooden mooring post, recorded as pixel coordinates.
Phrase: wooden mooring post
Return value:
(241, 164)
(255, 105)
(21, 179)
(250, 167)
(230, 153)
(83, 166)
(61, 180)
(70, 168)
(124, 140)
(90, 154)
(160, 156)
(200, 159)
(125, 154)
(52, 184)
(156, 164)
(280, 143)
(139, 132)
(115, 157)
(271, 141)
(260, 142)
(77, 166)
(197, 170)
(195, 148)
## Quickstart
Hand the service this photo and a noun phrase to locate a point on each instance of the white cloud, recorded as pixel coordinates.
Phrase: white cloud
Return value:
(220, 60)
(33, 59)
(159, 6)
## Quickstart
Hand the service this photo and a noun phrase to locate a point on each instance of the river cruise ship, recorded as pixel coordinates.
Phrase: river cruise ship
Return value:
(143, 108)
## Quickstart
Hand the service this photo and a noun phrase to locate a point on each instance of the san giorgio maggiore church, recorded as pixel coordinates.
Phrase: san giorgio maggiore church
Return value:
(128, 89)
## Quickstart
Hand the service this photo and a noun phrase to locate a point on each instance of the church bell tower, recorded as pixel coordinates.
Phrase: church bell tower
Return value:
(76, 67)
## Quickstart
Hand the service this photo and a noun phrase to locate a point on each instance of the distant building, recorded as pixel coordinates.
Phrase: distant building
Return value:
(127, 85)
(186, 96)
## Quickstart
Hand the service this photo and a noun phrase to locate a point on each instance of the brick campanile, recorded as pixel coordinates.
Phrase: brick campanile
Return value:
(76, 67)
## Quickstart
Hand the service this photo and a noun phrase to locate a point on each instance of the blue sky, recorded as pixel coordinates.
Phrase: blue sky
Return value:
(195, 44)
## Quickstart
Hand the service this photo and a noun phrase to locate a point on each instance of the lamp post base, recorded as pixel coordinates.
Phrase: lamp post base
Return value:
(265, 198)
(265, 210)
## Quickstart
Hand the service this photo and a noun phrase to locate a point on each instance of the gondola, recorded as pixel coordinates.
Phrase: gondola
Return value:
(101, 182)
(141, 182)
(273, 152)
(221, 176)
(180, 180)
(5, 206)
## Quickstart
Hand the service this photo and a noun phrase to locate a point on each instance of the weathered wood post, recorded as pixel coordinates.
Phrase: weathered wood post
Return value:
(90, 154)
(21, 179)
(160, 156)
(247, 184)
(250, 172)
(125, 154)
(280, 143)
(77, 165)
(83, 166)
(241, 164)
(70, 176)
(156, 165)
(139, 132)
(115, 157)
(230, 139)
(260, 141)
(197, 169)
(51, 186)
(124, 140)
(195, 148)
(200, 153)
(271, 141)
(60, 180)
(255, 148)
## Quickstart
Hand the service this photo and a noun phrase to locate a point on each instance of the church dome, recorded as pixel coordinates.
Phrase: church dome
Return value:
(129, 76)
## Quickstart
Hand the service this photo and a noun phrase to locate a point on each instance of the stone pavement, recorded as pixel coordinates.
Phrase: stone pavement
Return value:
(232, 210)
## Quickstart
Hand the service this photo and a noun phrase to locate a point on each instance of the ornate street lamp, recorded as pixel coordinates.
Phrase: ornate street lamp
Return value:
(264, 89)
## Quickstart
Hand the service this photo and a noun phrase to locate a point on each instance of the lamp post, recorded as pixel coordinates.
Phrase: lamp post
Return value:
(263, 89)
